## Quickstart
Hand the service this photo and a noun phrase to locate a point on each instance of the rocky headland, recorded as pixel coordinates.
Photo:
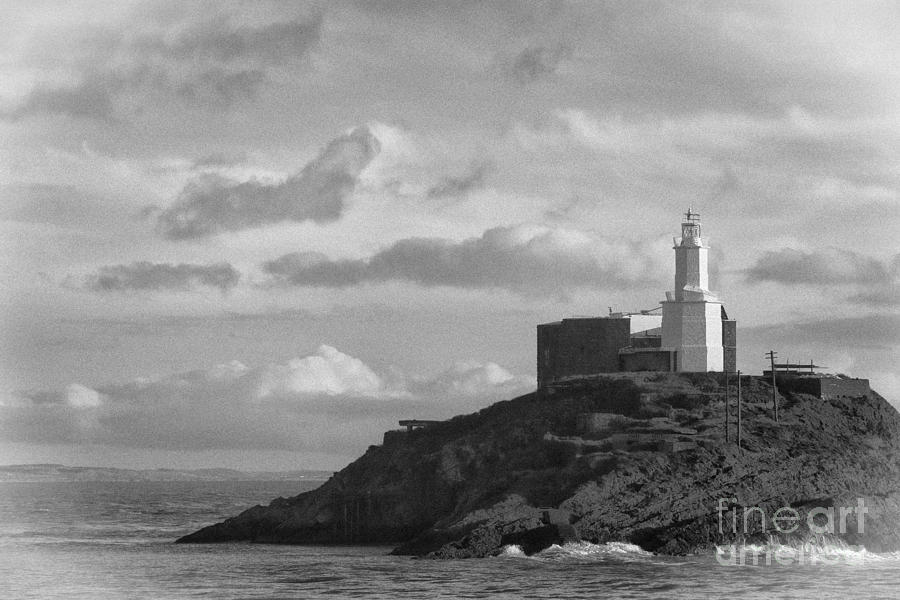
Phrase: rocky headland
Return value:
(639, 458)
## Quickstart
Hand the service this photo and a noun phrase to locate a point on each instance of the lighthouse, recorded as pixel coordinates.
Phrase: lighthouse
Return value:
(692, 334)
(692, 314)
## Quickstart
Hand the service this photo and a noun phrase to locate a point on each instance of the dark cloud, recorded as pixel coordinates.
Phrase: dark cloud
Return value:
(880, 332)
(90, 99)
(884, 296)
(221, 87)
(213, 64)
(462, 184)
(527, 260)
(212, 204)
(822, 267)
(162, 276)
(219, 40)
(536, 62)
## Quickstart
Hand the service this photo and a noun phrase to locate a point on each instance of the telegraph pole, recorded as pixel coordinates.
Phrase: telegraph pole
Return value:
(739, 413)
(727, 439)
(772, 355)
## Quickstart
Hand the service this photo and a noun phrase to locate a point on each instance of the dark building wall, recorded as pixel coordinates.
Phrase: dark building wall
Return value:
(729, 345)
(833, 387)
(640, 341)
(647, 360)
(825, 387)
(580, 347)
(394, 437)
(547, 345)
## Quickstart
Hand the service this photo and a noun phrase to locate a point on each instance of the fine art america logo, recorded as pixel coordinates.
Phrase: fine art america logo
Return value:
(820, 521)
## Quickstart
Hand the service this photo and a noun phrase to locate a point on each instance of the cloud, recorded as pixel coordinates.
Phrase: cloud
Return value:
(212, 204)
(876, 331)
(472, 378)
(532, 260)
(213, 63)
(537, 62)
(886, 295)
(462, 184)
(329, 372)
(92, 98)
(220, 40)
(80, 396)
(221, 86)
(826, 266)
(729, 57)
(327, 401)
(162, 276)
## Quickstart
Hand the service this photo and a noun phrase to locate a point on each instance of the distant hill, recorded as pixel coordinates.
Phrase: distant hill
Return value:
(54, 472)
(650, 468)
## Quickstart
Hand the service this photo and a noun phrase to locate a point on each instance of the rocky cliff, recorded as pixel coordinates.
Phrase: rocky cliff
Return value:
(650, 467)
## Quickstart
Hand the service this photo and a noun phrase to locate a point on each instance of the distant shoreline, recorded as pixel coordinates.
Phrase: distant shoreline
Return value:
(43, 472)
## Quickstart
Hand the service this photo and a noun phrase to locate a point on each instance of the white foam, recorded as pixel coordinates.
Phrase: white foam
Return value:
(587, 550)
(825, 550)
(578, 551)
(512, 551)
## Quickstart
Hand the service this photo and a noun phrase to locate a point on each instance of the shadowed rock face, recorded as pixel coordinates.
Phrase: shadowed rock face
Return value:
(662, 476)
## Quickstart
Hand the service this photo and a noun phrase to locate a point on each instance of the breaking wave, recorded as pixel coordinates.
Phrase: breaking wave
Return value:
(825, 550)
(580, 551)
(512, 551)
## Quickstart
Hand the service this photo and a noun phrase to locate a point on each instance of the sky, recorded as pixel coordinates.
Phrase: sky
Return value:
(255, 235)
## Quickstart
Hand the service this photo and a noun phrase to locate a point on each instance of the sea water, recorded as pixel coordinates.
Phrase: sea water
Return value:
(102, 540)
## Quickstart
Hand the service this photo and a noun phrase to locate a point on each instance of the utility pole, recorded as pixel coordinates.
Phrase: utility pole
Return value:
(727, 438)
(739, 413)
(772, 355)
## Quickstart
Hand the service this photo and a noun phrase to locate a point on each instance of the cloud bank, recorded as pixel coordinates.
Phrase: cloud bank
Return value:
(526, 259)
(213, 204)
(220, 40)
(325, 401)
(162, 276)
(822, 267)
(211, 62)
(877, 282)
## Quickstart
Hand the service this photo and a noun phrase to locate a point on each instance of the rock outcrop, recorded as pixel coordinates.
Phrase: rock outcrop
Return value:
(660, 475)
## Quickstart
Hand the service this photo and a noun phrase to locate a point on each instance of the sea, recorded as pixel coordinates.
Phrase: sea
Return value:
(98, 540)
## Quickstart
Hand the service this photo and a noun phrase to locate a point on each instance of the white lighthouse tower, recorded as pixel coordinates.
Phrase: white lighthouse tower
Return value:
(691, 314)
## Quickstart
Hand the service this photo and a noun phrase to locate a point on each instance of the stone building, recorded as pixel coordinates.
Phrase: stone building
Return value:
(804, 379)
(692, 334)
